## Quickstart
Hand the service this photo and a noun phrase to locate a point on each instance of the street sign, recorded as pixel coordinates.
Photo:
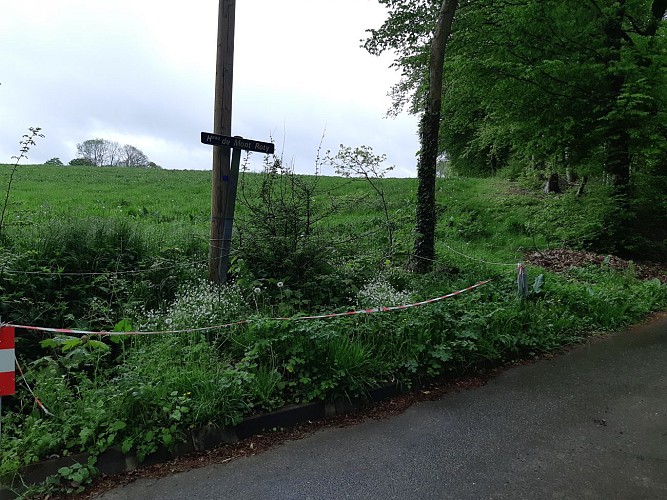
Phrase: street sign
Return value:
(7, 387)
(237, 143)
(222, 206)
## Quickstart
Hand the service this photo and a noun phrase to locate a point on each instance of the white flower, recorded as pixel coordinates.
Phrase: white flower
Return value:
(380, 293)
(257, 290)
(196, 304)
(280, 284)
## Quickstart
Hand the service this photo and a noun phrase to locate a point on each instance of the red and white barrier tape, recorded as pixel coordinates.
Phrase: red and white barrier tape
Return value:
(39, 403)
(243, 322)
(392, 308)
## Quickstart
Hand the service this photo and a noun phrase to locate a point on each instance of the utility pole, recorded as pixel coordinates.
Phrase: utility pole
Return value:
(219, 248)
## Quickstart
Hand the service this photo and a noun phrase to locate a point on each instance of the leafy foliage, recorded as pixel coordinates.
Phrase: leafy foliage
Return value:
(547, 86)
(363, 163)
(81, 162)
(281, 232)
(140, 393)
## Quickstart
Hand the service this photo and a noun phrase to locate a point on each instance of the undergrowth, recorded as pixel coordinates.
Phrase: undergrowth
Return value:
(243, 348)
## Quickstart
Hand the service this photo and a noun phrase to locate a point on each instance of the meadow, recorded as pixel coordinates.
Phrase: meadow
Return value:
(100, 249)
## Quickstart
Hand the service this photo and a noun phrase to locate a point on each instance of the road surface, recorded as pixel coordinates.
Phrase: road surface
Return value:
(589, 424)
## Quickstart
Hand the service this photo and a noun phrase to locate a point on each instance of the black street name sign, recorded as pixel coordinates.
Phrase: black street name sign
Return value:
(237, 143)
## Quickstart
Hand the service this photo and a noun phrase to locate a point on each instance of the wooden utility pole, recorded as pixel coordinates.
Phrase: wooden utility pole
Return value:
(222, 124)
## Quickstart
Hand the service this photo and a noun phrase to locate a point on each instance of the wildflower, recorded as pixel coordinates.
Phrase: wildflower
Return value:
(257, 290)
(380, 293)
(280, 284)
(198, 303)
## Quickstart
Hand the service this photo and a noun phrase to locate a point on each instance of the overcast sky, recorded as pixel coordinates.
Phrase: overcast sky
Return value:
(142, 72)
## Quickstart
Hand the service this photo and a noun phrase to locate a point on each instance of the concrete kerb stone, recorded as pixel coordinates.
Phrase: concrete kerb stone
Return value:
(114, 461)
(285, 417)
(11, 487)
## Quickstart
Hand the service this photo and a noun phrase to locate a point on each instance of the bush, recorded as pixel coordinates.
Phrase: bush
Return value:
(281, 233)
(81, 162)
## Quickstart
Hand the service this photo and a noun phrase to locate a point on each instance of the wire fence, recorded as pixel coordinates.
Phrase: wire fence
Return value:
(247, 321)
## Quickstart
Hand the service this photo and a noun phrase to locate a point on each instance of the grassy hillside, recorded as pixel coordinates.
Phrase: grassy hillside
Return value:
(494, 214)
(98, 248)
(41, 192)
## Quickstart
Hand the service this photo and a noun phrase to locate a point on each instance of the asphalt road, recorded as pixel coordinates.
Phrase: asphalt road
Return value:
(589, 424)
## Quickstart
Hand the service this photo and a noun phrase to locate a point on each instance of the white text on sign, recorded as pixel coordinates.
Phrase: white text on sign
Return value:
(237, 143)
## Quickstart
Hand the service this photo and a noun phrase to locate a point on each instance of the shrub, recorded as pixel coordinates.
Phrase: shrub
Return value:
(81, 162)
(281, 236)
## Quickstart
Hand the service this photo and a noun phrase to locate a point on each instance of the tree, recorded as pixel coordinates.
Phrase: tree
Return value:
(363, 163)
(559, 85)
(133, 157)
(544, 84)
(429, 130)
(101, 152)
(53, 161)
(113, 154)
(398, 33)
(93, 150)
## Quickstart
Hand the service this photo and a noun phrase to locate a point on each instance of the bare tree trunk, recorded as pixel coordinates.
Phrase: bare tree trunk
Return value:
(582, 186)
(424, 249)
(553, 184)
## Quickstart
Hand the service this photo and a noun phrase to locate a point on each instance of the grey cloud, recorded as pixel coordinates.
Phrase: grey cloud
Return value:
(88, 74)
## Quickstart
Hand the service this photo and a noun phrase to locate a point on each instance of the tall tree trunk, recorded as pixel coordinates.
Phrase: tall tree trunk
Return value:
(618, 140)
(424, 249)
(618, 153)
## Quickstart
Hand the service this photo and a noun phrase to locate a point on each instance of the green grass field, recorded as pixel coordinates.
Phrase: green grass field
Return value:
(469, 209)
(98, 248)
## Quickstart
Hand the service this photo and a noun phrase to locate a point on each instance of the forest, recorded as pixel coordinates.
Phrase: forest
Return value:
(558, 87)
